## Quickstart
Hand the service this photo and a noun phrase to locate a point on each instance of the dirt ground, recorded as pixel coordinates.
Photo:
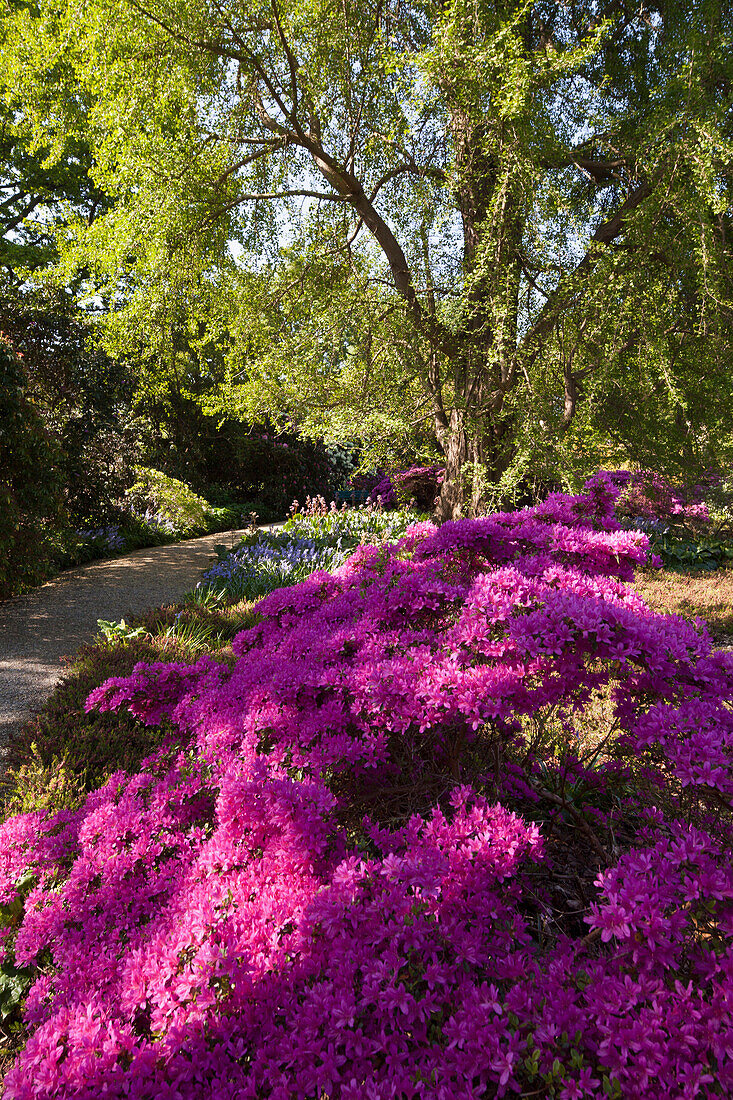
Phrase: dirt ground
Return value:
(703, 594)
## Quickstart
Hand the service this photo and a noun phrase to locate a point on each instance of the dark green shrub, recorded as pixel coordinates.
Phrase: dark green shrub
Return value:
(226, 519)
(30, 482)
(83, 397)
(267, 469)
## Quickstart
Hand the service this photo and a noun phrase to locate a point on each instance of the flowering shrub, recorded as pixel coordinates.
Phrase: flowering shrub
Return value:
(321, 538)
(167, 504)
(681, 524)
(336, 882)
(365, 482)
(651, 497)
(418, 486)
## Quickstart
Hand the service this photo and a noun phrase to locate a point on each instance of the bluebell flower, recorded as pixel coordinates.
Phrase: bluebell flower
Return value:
(305, 544)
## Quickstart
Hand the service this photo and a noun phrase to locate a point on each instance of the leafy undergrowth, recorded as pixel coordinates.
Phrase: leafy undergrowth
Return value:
(454, 821)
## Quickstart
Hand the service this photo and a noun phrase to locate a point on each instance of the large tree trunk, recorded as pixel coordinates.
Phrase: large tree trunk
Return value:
(475, 456)
(482, 368)
(455, 444)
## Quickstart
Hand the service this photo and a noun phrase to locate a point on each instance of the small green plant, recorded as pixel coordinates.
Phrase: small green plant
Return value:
(59, 784)
(681, 552)
(192, 631)
(15, 982)
(120, 631)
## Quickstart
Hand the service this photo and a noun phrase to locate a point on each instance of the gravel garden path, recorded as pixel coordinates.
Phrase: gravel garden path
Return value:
(38, 629)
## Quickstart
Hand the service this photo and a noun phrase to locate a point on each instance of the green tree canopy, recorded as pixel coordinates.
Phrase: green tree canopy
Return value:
(44, 180)
(511, 219)
(37, 193)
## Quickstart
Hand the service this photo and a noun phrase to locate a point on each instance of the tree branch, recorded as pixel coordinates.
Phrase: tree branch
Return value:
(177, 36)
(269, 147)
(271, 195)
(605, 233)
(292, 63)
(412, 169)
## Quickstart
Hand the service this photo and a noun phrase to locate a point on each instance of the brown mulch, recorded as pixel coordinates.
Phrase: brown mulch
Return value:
(708, 596)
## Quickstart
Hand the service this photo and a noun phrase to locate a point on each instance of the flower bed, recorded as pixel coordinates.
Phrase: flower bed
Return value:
(321, 539)
(354, 873)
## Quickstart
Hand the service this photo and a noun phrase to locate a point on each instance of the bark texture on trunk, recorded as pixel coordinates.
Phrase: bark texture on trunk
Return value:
(482, 366)
(454, 441)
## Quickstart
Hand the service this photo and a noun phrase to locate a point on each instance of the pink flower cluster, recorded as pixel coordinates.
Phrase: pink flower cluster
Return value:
(219, 926)
(646, 494)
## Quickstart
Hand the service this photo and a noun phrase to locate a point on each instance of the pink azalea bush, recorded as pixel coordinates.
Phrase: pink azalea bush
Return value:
(419, 486)
(234, 921)
(646, 494)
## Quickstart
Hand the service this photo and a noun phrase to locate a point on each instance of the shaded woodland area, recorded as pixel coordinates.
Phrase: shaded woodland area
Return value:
(495, 236)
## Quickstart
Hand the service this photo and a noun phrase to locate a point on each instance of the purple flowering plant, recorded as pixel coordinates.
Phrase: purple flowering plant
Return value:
(104, 539)
(343, 877)
(419, 485)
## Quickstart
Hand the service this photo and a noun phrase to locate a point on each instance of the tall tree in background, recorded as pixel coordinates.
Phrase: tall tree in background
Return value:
(45, 179)
(501, 183)
(38, 189)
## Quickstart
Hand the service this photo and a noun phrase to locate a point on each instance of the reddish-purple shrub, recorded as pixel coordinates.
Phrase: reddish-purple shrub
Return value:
(365, 482)
(645, 494)
(220, 925)
(416, 487)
